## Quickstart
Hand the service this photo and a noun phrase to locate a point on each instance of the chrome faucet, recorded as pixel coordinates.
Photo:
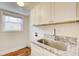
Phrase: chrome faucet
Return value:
(54, 34)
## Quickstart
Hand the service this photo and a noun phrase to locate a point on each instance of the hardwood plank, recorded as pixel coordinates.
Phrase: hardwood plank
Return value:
(21, 52)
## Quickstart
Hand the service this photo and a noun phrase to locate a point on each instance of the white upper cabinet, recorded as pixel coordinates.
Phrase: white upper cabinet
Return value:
(77, 11)
(42, 13)
(35, 16)
(47, 12)
(65, 11)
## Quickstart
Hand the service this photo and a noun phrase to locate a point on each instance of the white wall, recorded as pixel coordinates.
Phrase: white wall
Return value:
(71, 30)
(11, 41)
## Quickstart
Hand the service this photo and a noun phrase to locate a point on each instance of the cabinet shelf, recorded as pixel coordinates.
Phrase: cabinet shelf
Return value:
(57, 23)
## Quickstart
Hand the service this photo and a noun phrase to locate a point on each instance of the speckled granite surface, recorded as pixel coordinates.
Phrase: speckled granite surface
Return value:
(69, 41)
(66, 39)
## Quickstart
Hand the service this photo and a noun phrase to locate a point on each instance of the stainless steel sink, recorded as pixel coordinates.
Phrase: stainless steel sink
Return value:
(54, 44)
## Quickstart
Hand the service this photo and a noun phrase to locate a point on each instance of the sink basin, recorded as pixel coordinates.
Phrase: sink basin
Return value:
(54, 44)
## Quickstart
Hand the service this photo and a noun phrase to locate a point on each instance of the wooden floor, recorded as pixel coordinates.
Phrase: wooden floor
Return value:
(21, 52)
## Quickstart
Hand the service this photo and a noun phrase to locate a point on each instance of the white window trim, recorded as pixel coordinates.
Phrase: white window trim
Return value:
(10, 14)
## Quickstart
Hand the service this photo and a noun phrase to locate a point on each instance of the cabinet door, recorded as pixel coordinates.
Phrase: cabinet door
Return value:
(35, 15)
(43, 13)
(36, 50)
(77, 11)
(46, 12)
(39, 51)
(32, 16)
(48, 53)
(65, 11)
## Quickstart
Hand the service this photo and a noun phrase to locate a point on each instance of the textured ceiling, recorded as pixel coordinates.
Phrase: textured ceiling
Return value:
(27, 5)
(30, 5)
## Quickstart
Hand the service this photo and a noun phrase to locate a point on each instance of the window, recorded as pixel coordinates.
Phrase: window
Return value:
(11, 23)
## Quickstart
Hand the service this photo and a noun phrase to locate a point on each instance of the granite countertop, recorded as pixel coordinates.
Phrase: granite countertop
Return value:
(71, 46)
(50, 49)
